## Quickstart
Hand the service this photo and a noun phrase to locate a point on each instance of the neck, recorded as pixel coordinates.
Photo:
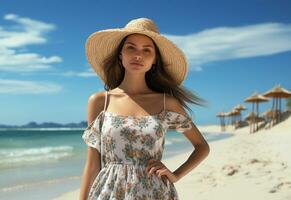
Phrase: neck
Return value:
(134, 84)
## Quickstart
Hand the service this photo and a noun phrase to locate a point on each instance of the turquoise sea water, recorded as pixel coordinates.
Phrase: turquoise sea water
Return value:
(43, 164)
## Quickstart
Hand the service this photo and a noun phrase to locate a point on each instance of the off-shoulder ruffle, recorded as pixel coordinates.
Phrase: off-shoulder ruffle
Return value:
(178, 122)
(92, 134)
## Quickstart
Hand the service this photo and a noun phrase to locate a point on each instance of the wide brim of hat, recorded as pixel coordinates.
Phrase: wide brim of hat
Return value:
(101, 44)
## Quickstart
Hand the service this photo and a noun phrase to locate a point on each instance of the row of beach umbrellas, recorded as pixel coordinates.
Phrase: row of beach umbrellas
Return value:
(272, 115)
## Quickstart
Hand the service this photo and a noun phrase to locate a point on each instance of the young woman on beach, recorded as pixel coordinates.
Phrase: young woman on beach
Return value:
(142, 71)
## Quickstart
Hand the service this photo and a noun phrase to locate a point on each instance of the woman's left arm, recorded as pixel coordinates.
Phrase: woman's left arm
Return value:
(200, 152)
(197, 156)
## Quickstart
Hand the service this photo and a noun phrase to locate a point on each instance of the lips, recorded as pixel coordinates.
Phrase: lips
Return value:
(138, 64)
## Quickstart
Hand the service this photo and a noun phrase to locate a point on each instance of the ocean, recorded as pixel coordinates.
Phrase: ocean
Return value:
(42, 164)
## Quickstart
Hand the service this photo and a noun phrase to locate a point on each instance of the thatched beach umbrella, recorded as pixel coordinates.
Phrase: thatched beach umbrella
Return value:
(253, 115)
(277, 93)
(234, 113)
(239, 107)
(227, 114)
(251, 118)
(221, 116)
(255, 99)
(269, 114)
(231, 115)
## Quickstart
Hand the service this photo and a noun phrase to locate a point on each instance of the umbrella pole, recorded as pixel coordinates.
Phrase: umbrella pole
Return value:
(277, 109)
(221, 123)
(273, 113)
(280, 108)
(257, 116)
(257, 121)
(256, 125)
(223, 120)
(252, 117)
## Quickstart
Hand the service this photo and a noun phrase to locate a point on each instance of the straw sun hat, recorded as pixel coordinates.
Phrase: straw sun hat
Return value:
(102, 43)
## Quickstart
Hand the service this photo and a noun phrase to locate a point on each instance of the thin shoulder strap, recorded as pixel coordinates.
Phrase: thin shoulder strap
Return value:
(164, 111)
(105, 101)
(164, 101)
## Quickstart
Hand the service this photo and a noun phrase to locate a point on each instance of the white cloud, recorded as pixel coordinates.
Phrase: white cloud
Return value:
(87, 73)
(224, 43)
(13, 40)
(27, 87)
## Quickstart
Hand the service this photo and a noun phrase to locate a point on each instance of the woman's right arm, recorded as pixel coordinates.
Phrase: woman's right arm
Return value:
(93, 163)
(91, 170)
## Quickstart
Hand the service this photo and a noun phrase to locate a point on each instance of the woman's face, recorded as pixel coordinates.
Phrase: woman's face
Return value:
(138, 53)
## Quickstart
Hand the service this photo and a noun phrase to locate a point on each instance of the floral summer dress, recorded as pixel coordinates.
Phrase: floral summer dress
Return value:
(126, 143)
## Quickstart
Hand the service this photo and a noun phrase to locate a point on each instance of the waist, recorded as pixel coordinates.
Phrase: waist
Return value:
(124, 163)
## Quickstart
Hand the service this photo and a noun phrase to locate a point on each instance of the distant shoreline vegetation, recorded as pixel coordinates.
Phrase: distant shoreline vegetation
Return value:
(46, 125)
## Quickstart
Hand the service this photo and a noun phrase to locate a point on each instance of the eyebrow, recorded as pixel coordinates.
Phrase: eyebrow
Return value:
(147, 45)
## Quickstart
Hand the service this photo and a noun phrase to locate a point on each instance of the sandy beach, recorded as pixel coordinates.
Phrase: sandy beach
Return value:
(246, 166)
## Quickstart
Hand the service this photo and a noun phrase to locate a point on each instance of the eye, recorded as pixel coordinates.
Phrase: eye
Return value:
(130, 47)
(147, 50)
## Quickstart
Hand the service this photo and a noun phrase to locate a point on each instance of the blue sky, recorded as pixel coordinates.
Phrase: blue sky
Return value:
(234, 48)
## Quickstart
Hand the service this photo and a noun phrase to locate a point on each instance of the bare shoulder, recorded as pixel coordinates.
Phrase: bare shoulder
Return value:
(173, 104)
(96, 97)
(95, 105)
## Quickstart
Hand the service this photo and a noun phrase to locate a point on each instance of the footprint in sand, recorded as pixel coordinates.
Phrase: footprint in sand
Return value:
(280, 186)
(230, 170)
(208, 179)
(266, 166)
(257, 161)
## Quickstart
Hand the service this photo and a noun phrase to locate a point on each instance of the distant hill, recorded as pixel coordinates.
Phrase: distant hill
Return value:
(82, 124)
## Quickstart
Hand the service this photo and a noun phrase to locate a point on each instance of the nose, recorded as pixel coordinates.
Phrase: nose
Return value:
(137, 57)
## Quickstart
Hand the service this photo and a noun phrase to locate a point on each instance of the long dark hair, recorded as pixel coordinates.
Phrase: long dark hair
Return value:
(157, 78)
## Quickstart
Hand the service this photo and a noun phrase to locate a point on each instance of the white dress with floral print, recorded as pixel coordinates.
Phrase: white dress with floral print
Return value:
(126, 143)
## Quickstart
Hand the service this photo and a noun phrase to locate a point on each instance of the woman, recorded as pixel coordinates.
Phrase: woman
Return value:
(127, 123)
